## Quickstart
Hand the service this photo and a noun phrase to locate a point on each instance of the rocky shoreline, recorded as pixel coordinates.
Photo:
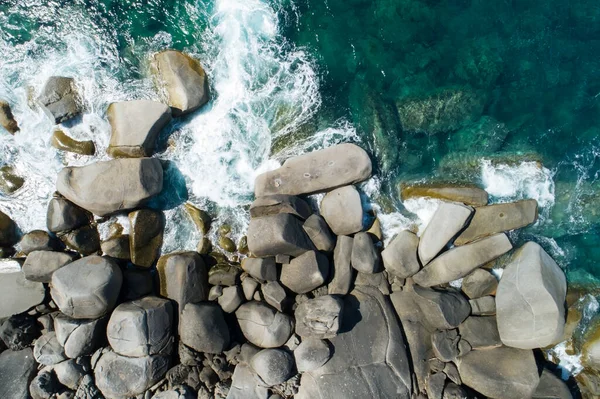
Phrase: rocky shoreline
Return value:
(309, 304)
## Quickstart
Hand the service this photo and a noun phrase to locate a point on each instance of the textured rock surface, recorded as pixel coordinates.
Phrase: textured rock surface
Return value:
(400, 255)
(38, 240)
(343, 274)
(306, 272)
(183, 277)
(17, 294)
(79, 337)
(280, 203)
(280, 234)
(551, 387)
(40, 265)
(468, 195)
(319, 317)
(342, 209)
(85, 240)
(59, 99)
(61, 141)
(264, 326)
(47, 350)
(146, 236)
(7, 119)
(311, 354)
(202, 327)
(17, 369)
(273, 366)
(319, 232)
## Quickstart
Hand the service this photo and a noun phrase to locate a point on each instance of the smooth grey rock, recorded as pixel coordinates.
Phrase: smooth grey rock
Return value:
(400, 255)
(17, 294)
(311, 354)
(38, 240)
(306, 272)
(215, 292)
(274, 294)
(280, 203)
(261, 268)
(63, 215)
(276, 235)
(273, 366)
(231, 299)
(39, 265)
(442, 309)
(447, 221)
(377, 280)
(18, 332)
(435, 385)
(183, 277)
(480, 332)
(500, 372)
(249, 286)
(244, 385)
(460, 261)
(551, 387)
(79, 337)
(319, 232)
(141, 327)
(182, 79)
(59, 99)
(484, 306)
(343, 273)
(365, 257)
(342, 210)
(110, 186)
(43, 386)
(69, 373)
(478, 283)
(445, 344)
(117, 247)
(146, 236)
(264, 326)
(87, 288)
(47, 350)
(530, 302)
(451, 371)
(122, 377)
(135, 126)
(17, 369)
(497, 218)
(319, 317)
(85, 240)
(202, 327)
(8, 231)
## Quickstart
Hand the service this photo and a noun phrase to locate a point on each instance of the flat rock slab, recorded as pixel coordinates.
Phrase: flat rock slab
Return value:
(468, 195)
(280, 234)
(493, 219)
(17, 369)
(17, 294)
(317, 171)
(110, 186)
(377, 369)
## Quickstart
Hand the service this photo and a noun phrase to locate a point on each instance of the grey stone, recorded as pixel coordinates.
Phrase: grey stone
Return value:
(530, 302)
(377, 280)
(63, 215)
(137, 283)
(306, 272)
(141, 327)
(500, 373)
(261, 268)
(264, 326)
(215, 292)
(311, 354)
(224, 274)
(319, 232)
(445, 344)
(87, 288)
(182, 79)
(277, 234)
(280, 203)
(480, 332)
(460, 261)
(47, 350)
(435, 385)
(319, 317)
(249, 286)
(365, 257)
(182, 392)
(107, 187)
(19, 331)
(38, 240)
(451, 372)
(87, 389)
(122, 377)
(400, 255)
(479, 283)
(135, 126)
(447, 221)
(117, 247)
(484, 306)
(274, 295)
(551, 387)
(342, 210)
(146, 236)
(231, 299)
(282, 259)
(69, 373)
(468, 195)
(202, 327)
(59, 99)
(7, 120)
(341, 283)
(40, 265)
(78, 337)
(454, 391)
(442, 309)
(17, 294)
(17, 369)
(244, 385)
(497, 218)
(43, 386)
(183, 277)
(84, 240)
(8, 231)
(273, 366)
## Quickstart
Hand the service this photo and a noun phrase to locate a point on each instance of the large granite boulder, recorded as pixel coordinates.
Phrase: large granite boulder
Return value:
(141, 327)
(342, 209)
(460, 261)
(280, 203)
(530, 301)
(40, 265)
(87, 288)
(468, 195)
(261, 268)
(63, 215)
(317, 229)
(107, 187)
(280, 234)
(317, 171)
(263, 326)
(400, 255)
(7, 120)
(59, 99)
(135, 125)
(182, 79)
(378, 369)
(500, 373)
(306, 272)
(480, 332)
(342, 268)
(38, 240)
(447, 221)
(273, 366)
(202, 327)
(320, 317)
(146, 236)
(17, 369)
(365, 257)
(17, 294)
(79, 337)
(497, 218)
(8, 231)
(183, 277)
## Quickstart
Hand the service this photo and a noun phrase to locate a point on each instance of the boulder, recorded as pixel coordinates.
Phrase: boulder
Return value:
(400, 255)
(146, 236)
(201, 218)
(447, 221)
(87, 288)
(135, 126)
(59, 99)
(306, 272)
(19, 331)
(317, 171)
(7, 120)
(79, 337)
(249, 286)
(321, 236)
(442, 309)
(500, 373)
(44, 385)
(530, 302)
(40, 265)
(273, 366)
(182, 392)
(202, 327)
(224, 274)
(87, 389)
(231, 299)
(261, 268)
(484, 306)
(244, 385)
(435, 385)
(551, 387)
(38, 240)
(377, 280)
(320, 317)
(8, 231)
(141, 327)
(445, 344)
(280, 203)
(63, 215)
(85, 240)
(61, 141)
(280, 234)
(342, 209)
(227, 244)
(17, 369)
(117, 247)
(263, 326)
(47, 350)
(460, 261)
(70, 372)
(341, 283)
(183, 277)
(311, 354)
(17, 294)
(497, 218)
(478, 283)
(274, 295)
(365, 257)
(123, 377)
(480, 332)
(10, 181)
(182, 79)
(110, 186)
(468, 195)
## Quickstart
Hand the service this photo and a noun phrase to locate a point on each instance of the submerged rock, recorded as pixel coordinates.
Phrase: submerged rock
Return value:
(61, 141)
(468, 195)
(9, 180)
(8, 231)
(7, 120)
(59, 99)
(201, 218)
